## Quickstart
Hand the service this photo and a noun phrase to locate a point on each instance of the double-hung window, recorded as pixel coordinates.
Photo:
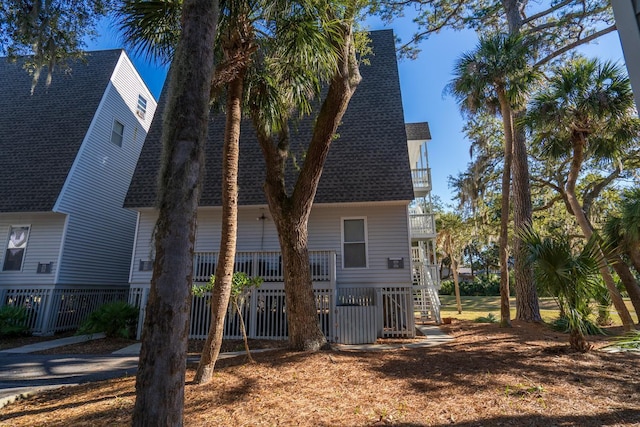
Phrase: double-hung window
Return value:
(117, 133)
(16, 247)
(354, 242)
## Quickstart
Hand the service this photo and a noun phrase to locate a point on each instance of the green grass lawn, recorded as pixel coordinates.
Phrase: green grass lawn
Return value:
(473, 307)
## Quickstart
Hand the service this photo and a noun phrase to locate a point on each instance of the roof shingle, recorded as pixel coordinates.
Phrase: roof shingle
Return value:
(368, 162)
(40, 134)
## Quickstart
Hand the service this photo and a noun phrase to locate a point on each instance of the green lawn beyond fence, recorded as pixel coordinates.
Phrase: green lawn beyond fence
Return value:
(473, 307)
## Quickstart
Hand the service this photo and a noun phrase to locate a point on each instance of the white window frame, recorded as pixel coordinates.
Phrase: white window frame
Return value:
(366, 241)
(141, 107)
(113, 132)
(6, 247)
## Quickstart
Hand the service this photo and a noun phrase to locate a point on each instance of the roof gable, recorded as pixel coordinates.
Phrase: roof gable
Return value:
(40, 134)
(367, 162)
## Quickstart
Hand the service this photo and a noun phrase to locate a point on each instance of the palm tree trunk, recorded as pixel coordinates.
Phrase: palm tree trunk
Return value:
(527, 307)
(574, 170)
(629, 282)
(507, 123)
(227, 255)
(456, 284)
(577, 341)
(161, 370)
(634, 255)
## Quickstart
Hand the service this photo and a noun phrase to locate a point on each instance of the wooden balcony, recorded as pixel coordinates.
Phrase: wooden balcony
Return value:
(267, 265)
(423, 226)
(421, 181)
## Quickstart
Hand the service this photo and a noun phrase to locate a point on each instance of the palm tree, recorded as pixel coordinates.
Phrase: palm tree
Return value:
(624, 230)
(585, 111)
(495, 76)
(452, 239)
(298, 47)
(151, 27)
(289, 85)
(567, 274)
(622, 233)
(161, 370)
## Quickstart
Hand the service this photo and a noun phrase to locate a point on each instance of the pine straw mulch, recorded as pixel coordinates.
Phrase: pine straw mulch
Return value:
(523, 376)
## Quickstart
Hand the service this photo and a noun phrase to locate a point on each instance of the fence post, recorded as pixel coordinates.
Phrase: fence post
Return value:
(143, 309)
(253, 313)
(379, 302)
(48, 298)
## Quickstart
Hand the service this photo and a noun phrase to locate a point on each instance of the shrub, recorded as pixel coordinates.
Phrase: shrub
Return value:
(489, 318)
(481, 286)
(13, 321)
(115, 319)
(446, 287)
(561, 324)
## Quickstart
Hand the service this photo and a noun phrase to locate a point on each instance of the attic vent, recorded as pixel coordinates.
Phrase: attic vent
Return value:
(145, 265)
(142, 107)
(44, 268)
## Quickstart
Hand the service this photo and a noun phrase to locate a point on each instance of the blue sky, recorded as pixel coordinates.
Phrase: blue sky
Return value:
(422, 82)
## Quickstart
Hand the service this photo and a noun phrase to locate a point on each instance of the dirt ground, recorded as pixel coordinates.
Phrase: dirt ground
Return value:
(523, 376)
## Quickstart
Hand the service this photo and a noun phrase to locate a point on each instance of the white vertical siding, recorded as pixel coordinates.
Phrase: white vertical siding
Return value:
(43, 246)
(387, 226)
(100, 233)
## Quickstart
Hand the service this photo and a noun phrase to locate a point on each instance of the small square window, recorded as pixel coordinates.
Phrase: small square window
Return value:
(16, 247)
(117, 133)
(141, 110)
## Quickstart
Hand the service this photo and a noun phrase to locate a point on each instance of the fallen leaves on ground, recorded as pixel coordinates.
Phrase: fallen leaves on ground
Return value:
(487, 376)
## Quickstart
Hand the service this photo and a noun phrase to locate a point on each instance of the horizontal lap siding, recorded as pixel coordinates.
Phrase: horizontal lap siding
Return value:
(99, 241)
(387, 238)
(386, 226)
(43, 246)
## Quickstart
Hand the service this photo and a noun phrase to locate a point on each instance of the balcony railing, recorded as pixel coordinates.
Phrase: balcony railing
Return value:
(267, 265)
(421, 178)
(423, 225)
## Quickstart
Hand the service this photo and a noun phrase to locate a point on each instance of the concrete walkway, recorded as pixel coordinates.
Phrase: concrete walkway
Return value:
(23, 375)
(46, 345)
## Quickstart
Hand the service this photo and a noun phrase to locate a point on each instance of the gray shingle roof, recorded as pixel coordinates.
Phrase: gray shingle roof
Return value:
(41, 134)
(368, 162)
(418, 131)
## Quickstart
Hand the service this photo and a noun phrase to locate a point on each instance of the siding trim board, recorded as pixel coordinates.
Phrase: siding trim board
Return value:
(133, 249)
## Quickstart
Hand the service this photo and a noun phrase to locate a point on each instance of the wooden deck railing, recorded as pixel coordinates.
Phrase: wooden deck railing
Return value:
(422, 224)
(267, 265)
(421, 178)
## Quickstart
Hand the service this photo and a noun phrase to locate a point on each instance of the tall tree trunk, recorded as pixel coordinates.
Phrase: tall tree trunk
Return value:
(527, 307)
(629, 282)
(585, 226)
(161, 371)
(291, 213)
(456, 284)
(227, 254)
(577, 341)
(527, 304)
(302, 318)
(507, 123)
(634, 255)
